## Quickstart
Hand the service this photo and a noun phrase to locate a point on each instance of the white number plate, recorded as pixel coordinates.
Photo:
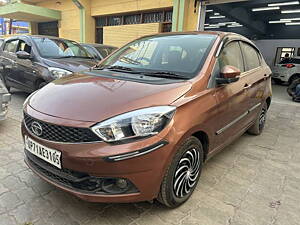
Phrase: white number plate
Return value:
(51, 156)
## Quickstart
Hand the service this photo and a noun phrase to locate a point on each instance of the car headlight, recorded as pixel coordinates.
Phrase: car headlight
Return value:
(58, 72)
(136, 124)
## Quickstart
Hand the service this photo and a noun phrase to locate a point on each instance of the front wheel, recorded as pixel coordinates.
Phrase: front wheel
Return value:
(183, 174)
(259, 124)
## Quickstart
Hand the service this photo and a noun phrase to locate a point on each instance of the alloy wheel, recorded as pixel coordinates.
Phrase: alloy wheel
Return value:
(186, 173)
(262, 119)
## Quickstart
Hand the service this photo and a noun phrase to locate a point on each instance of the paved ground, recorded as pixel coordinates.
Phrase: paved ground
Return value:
(255, 181)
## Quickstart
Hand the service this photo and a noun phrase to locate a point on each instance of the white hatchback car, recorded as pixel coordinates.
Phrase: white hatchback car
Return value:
(286, 71)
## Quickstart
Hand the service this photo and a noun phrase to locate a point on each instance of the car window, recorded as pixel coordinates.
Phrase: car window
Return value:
(11, 46)
(91, 51)
(295, 61)
(105, 51)
(23, 46)
(231, 55)
(59, 48)
(285, 61)
(251, 55)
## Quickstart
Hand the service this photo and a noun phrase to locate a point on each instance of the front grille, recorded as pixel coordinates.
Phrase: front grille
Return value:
(57, 133)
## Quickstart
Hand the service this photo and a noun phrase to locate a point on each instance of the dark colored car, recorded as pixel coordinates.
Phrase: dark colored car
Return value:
(99, 51)
(141, 125)
(30, 62)
(4, 100)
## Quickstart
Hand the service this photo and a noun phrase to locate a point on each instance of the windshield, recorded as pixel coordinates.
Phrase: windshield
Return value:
(181, 54)
(290, 60)
(59, 48)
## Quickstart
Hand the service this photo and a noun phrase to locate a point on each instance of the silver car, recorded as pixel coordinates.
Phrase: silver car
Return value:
(4, 100)
(287, 70)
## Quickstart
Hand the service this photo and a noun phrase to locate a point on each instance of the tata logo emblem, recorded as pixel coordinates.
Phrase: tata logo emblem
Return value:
(36, 128)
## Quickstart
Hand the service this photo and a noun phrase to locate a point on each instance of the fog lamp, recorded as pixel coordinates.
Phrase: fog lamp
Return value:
(121, 183)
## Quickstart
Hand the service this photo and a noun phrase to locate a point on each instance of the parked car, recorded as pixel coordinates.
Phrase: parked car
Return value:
(30, 62)
(141, 125)
(99, 51)
(1, 41)
(286, 71)
(4, 100)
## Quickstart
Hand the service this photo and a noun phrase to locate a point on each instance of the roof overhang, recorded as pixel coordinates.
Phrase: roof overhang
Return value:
(26, 12)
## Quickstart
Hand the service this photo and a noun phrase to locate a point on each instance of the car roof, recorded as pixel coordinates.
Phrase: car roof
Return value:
(39, 36)
(188, 33)
(221, 34)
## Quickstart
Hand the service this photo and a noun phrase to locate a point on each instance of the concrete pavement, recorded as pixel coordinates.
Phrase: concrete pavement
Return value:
(254, 181)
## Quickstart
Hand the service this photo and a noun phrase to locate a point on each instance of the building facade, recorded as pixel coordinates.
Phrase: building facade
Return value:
(113, 22)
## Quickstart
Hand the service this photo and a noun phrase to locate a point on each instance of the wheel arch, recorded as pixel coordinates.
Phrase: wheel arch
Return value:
(203, 138)
(268, 101)
(38, 82)
(295, 75)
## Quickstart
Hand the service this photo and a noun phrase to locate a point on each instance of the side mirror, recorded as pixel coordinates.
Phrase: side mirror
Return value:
(228, 74)
(23, 55)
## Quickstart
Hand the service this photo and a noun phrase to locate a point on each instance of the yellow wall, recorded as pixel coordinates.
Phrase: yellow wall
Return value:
(69, 25)
(191, 17)
(106, 7)
(120, 35)
(89, 22)
(33, 28)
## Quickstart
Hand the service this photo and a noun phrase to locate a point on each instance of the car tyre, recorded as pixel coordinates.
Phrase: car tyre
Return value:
(293, 78)
(41, 85)
(183, 173)
(259, 124)
(292, 87)
(277, 81)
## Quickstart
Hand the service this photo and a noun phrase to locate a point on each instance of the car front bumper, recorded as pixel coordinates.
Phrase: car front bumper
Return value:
(4, 100)
(144, 171)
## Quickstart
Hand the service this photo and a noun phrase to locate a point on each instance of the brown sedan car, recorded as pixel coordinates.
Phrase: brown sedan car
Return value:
(141, 124)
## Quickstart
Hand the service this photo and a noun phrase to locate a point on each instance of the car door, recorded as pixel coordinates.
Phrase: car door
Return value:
(256, 76)
(8, 62)
(231, 98)
(25, 68)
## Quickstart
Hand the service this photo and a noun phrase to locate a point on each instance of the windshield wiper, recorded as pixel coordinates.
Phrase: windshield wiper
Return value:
(166, 74)
(117, 68)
